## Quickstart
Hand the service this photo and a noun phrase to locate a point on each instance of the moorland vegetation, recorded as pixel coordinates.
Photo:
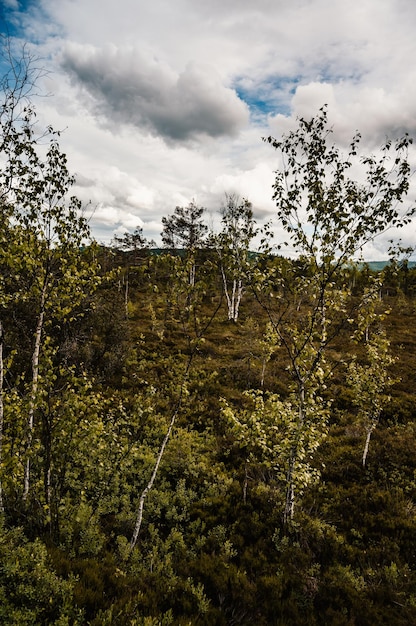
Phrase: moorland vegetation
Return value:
(201, 434)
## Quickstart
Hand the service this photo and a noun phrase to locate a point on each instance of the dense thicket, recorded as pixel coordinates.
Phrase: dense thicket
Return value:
(213, 547)
(165, 462)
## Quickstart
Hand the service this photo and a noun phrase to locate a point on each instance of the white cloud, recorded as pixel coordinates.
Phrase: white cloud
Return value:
(155, 112)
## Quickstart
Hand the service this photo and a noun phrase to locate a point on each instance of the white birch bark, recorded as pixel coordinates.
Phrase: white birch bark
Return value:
(34, 390)
(233, 299)
(290, 480)
(369, 431)
(139, 516)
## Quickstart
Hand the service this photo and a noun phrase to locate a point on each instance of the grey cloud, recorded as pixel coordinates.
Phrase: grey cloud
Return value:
(83, 181)
(130, 87)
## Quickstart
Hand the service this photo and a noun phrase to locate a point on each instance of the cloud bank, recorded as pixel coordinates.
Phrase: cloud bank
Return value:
(129, 87)
(167, 102)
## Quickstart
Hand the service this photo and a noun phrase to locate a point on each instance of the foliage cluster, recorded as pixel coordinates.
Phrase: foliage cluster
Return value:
(173, 453)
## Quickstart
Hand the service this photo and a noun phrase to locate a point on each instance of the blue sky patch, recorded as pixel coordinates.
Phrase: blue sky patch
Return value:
(271, 97)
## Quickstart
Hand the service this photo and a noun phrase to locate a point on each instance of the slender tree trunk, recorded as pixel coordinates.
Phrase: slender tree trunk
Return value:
(1, 413)
(47, 451)
(192, 273)
(369, 431)
(290, 479)
(290, 490)
(139, 516)
(231, 312)
(233, 299)
(263, 371)
(126, 295)
(227, 295)
(34, 390)
(48, 483)
(239, 295)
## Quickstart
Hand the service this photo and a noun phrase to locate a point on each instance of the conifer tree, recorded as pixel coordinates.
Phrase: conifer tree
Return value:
(185, 230)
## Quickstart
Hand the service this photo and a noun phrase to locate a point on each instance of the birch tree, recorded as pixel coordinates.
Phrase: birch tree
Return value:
(42, 260)
(18, 155)
(54, 230)
(370, 377)
(233, 249)
(283, 437)
(192, 320)
(328, 217)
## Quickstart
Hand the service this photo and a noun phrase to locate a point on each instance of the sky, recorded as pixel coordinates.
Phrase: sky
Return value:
(164, 102)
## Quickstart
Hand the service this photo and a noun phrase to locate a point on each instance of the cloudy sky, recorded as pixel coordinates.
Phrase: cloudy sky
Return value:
(166, 101)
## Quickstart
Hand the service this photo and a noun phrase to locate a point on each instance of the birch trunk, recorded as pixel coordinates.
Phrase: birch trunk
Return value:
(145, 492)
(34, 390)
(139, 517)
(239, 293)
(126, 295)
(369, 432)
(227, 295)
(263, 371)
(290, 480)
(149, 485)
(290, 490)
(47, 464)
(233, 300)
